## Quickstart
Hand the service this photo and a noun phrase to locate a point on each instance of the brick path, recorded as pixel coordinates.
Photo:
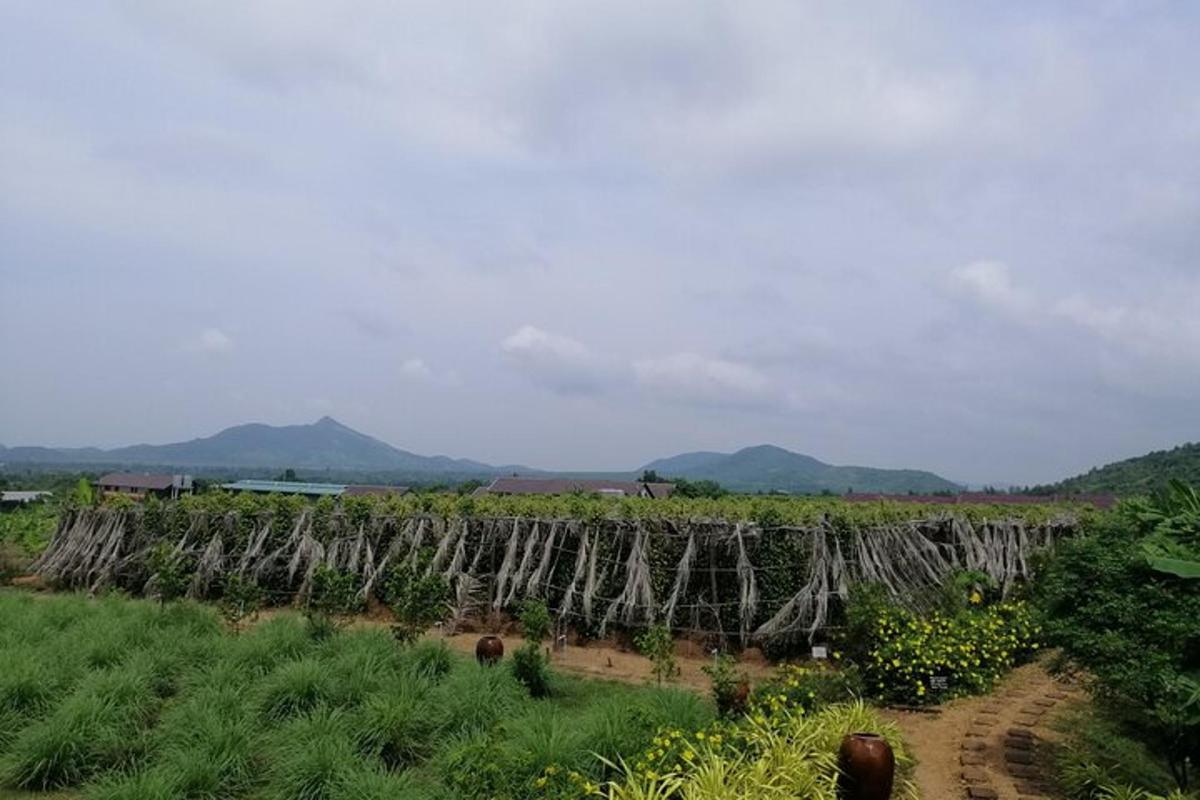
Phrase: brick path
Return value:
(999, 752)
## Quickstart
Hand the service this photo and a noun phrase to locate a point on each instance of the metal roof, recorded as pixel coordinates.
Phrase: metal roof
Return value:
(286, 487)
(569, 485)
(358, 489)
(22, 496)
(131, 480)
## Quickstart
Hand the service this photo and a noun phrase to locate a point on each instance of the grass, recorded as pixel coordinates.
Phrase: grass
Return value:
(115, 698)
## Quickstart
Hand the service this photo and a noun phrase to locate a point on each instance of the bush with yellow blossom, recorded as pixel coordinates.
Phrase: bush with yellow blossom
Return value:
(909, 658)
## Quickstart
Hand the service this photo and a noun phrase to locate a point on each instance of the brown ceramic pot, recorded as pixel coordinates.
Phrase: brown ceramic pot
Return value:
(867, 767)
(489, 650)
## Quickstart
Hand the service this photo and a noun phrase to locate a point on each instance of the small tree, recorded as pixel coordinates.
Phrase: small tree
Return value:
(333, 597)
(167, 572)
(529, 664)
(242, 598)
(729, 687)
(417, 602)
(658, 645)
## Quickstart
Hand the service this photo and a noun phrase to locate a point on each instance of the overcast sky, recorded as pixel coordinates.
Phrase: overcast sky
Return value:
(963, 237)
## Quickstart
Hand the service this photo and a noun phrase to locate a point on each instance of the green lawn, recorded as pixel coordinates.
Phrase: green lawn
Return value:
(118, 698)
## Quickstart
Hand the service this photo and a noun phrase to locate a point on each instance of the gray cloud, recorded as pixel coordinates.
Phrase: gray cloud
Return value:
(896, 233)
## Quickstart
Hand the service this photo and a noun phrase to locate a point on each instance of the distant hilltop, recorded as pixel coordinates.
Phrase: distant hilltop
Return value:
(766, 468)
(328, 446)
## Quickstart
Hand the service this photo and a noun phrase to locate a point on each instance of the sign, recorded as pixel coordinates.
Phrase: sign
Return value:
(820, 652)
(939, 683)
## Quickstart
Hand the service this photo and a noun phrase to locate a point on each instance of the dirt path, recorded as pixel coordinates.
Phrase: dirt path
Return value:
(987, 748)
(604, 661)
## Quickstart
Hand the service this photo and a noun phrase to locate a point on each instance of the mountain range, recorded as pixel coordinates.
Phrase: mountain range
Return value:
(768, 468)
(328, 445)
(322, 445)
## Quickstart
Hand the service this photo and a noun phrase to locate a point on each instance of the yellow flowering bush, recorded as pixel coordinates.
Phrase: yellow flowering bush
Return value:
(808, 687)
(786, 753)
(913, 659)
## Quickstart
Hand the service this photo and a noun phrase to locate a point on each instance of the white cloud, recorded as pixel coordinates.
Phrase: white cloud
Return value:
(695, 378)
(556, 362)
(211, 340)
(990, 283)
(416, 369)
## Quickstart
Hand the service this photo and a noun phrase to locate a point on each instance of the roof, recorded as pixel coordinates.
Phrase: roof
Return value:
(131, 480)
(286, 487)
(571, 485)
(22, 496)
(357, 489)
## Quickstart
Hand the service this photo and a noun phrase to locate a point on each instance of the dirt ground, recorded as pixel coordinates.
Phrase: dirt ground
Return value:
(941, 739)
(605, 661)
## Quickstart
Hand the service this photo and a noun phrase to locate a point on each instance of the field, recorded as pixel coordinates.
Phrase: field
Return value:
(119, 697)
(128, 699)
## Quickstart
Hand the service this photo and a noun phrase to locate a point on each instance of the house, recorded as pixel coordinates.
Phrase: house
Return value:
(516, 485)
(140, 486)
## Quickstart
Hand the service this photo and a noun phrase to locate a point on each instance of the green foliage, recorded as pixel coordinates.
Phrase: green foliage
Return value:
(786, 754)
(241, 598)
(530, 667)
(1131, 626)
(431, 660)
(417, 602)
(701, 488)
(904, 656)
(657, 644)
(1100, 750)
(28, 528)
(727, 685)
(169, 572)
(126, 700)
(536, 623)
(808, 688)
(334, 595)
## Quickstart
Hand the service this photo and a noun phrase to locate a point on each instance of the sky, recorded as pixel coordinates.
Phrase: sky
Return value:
(962, 237)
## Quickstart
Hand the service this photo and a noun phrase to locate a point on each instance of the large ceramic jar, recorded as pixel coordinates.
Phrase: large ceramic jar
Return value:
(489, 650)
(867, 767)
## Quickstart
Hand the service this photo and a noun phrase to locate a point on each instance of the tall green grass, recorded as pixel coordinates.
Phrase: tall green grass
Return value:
(125, 700)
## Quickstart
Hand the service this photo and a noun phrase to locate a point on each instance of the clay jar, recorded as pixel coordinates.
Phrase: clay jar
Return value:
(867, 767)
(489, 650)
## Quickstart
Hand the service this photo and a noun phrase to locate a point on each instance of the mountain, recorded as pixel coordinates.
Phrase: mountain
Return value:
(770, 468)
(1140, 475)
(324, 445)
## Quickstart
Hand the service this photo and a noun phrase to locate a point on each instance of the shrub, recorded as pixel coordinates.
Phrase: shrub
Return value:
(1099, 750)
(168, 572)
(657, 645)
(809, 688)
(431, 660)
(907, 658)
(728, 685)
(536, 623)
(790, 754)
(529, 667)
(417, 602)
(241, 598)
(397, 727)
(333, 595)
(1132, 625)
(296, 687)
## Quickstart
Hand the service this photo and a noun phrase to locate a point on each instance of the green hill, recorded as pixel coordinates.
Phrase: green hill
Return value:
(1133, 476)
(768, 468)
